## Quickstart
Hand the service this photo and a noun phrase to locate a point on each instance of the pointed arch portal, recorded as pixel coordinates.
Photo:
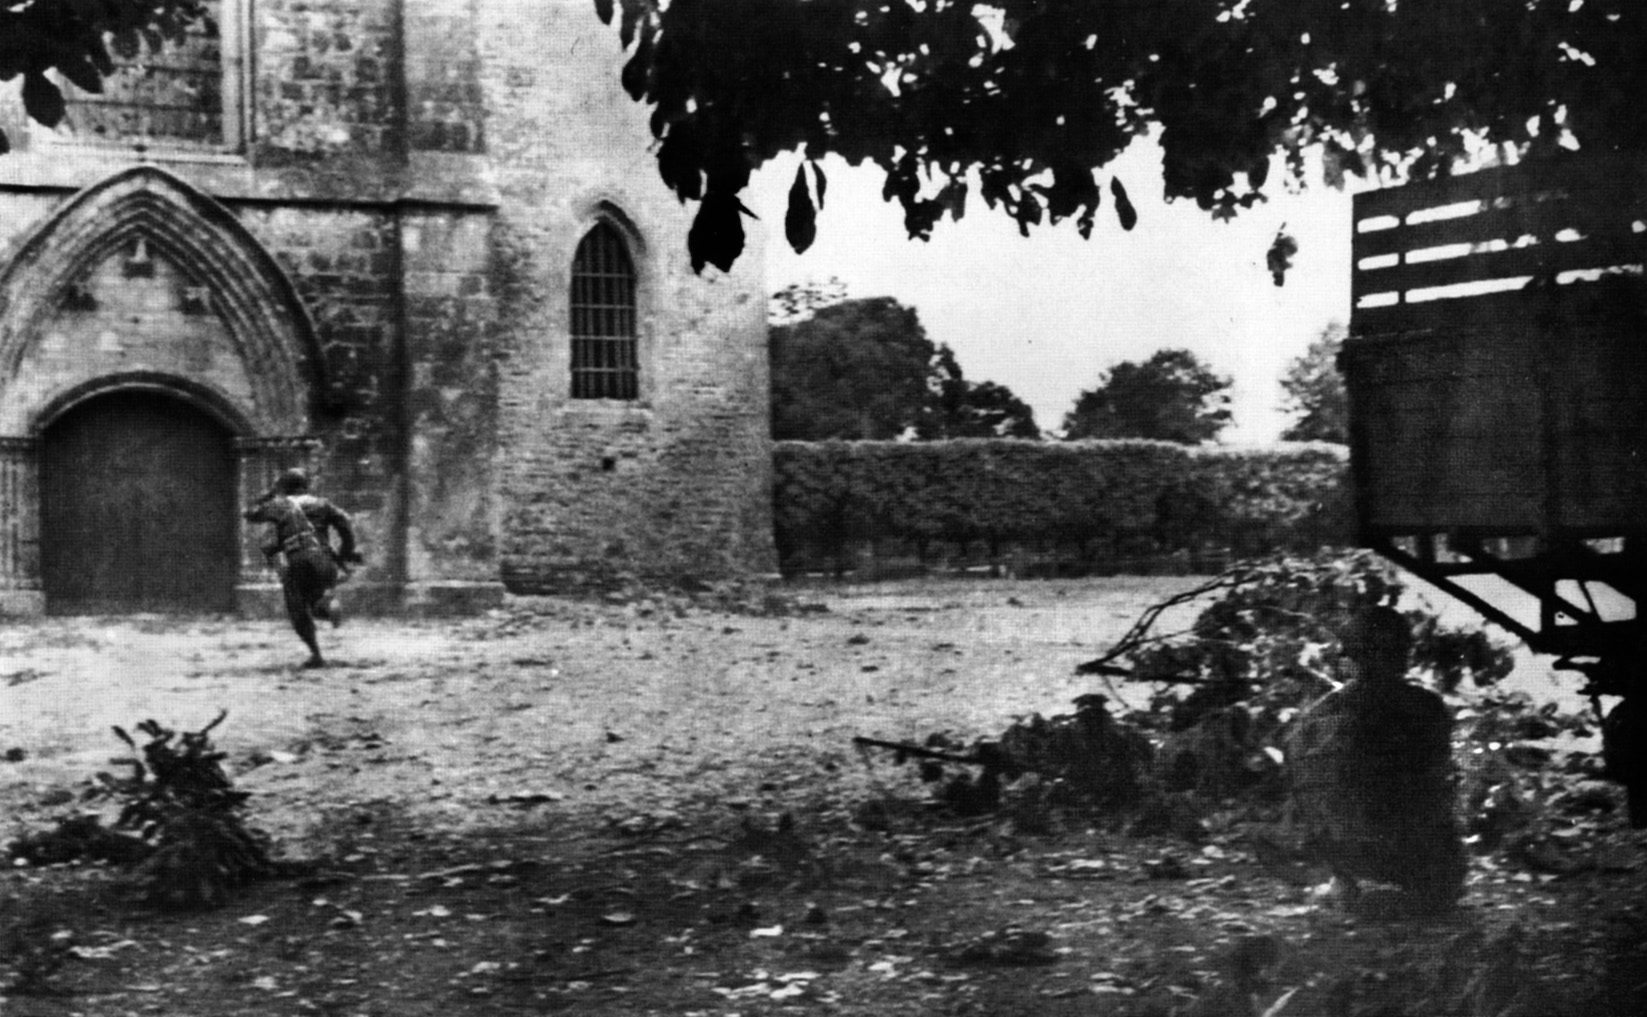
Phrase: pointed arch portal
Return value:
(55, 426)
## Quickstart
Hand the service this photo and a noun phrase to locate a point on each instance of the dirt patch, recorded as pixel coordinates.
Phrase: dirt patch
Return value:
(580, 807)
(604, 705)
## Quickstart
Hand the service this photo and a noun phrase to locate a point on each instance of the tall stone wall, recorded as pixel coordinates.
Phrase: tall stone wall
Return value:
(327, 81)
(453, 326)
(676, 482)
(344, 265)
(422, 171)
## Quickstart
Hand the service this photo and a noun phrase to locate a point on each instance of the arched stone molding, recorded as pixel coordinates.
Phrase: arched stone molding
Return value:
(272, 331)
(203, 397)
(601, 206)
(268, 326)
(259, 459)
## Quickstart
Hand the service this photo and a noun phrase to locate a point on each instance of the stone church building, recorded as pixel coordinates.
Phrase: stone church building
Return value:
(417, 246)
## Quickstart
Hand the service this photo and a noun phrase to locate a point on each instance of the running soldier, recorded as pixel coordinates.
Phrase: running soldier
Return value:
(299, 546)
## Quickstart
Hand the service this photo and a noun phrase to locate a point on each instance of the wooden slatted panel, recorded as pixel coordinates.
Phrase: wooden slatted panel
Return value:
(1599, 371)
(137, 509)
(1544, 262)
(1581, 172)
(1451, 425)
(1508, 222)
(1520, 224)
(1533, 420)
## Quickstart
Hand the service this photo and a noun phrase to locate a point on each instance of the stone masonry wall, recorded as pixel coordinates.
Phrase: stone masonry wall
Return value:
(452, 323)
(444, 99)
(422, 171)
(327, 80)
(344, 265)
(678, 481)
(130, 317)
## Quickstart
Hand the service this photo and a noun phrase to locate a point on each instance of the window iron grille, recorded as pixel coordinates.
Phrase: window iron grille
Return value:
(605, 363)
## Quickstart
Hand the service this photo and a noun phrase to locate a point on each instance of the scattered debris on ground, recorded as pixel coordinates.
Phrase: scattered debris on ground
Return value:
(189, 845)
(481, 844)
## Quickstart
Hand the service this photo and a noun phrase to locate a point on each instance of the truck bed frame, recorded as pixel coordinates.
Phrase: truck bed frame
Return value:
(1497, 378)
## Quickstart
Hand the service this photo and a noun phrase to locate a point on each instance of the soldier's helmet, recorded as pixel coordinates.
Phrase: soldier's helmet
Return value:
(1377, 633)
(293, 481)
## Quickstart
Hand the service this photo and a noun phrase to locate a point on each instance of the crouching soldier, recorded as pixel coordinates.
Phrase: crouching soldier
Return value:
(1370, 766)
(299, 546)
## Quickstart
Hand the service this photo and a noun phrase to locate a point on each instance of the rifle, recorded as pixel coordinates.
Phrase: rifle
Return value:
(988, 754)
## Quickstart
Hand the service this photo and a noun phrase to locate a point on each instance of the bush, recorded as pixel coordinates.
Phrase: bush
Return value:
(1265, 649)
(178, 799)
(188, 836)
(1093, 499)
(1262, 648)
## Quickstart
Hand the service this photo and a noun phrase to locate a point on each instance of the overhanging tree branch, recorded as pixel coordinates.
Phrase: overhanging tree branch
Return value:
(43, 39)
(1030, 101)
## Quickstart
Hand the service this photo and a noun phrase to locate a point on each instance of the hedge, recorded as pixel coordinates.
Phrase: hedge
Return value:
(1093, 498)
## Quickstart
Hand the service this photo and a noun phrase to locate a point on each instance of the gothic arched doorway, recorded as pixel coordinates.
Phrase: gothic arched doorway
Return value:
(137, 502)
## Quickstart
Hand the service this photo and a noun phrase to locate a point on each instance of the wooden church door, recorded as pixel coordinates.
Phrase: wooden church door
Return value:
(137, 501)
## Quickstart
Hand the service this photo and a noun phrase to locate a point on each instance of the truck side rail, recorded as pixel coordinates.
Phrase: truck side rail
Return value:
(1418, 247)
(1496, 370)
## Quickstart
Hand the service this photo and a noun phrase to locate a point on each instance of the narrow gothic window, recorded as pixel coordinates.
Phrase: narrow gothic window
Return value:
(186, 94)
(604, 360)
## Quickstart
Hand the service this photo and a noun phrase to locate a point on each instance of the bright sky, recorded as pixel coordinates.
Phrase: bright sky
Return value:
(1045, 316)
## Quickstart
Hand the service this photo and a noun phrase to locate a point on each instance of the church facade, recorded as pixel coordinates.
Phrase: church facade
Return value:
(417, 247)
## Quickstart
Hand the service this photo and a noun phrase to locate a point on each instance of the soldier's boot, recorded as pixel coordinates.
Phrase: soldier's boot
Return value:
(303, 623)
(306, 632)
(331, 608)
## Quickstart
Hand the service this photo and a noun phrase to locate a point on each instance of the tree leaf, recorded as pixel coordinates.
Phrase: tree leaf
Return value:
(86, 10)
(823, 184)
(1279, 256)
(1259, 171)
(637, 70)
(800, 223)
(82, 72)
(678, 161)
(807, 76)
(633, 10)
(716, 237)
(728, 167)
(1123, 205)
(42, 100)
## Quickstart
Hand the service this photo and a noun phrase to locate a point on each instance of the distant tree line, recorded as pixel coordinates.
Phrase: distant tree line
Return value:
(865, 370)
(1315, 391)
(1171, 396)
